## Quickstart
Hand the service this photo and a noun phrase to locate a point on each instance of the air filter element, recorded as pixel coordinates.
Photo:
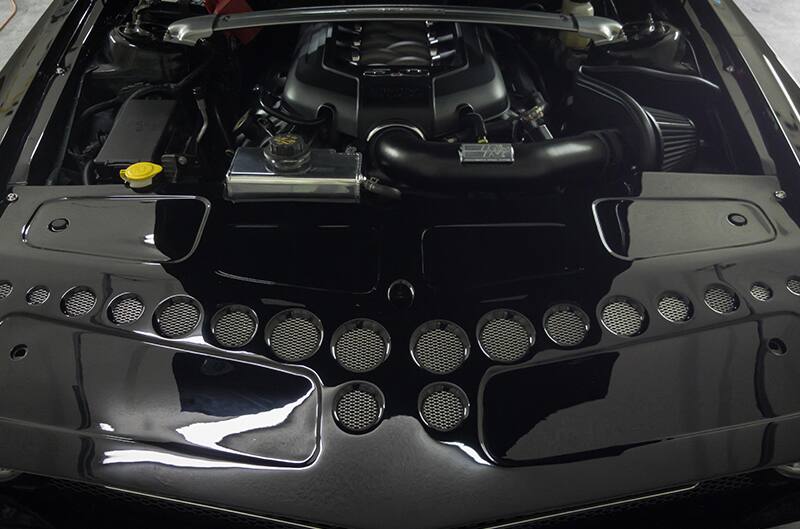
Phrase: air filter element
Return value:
(78, 301)
(443, 406)
(125, 309)
(677, 137)
(623, 317)
(234, 326)
(37, 295)
(793, 284)
(721, 300)
(360, 345)
(761, 292)
(177, 316)
(567, 325)
(505, 335)
(294, 335)
(675, 308)
(358, 407)
(5, 289)
(439, 346)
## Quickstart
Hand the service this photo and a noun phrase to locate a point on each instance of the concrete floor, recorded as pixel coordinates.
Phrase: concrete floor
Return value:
(28, 13)
(774, 18)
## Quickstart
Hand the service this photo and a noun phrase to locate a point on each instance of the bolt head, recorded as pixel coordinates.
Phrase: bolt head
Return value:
(780, 194)
(60, 71)
(12, 197)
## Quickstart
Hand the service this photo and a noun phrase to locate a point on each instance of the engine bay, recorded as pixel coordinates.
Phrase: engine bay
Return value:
(354, 111)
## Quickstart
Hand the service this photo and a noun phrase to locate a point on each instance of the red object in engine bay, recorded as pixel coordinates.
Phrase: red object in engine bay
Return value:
(229, 7)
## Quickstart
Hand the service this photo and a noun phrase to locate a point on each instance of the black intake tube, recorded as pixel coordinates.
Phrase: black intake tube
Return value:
(406, 158)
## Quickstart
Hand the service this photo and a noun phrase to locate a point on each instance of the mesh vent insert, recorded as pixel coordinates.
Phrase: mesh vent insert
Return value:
(793, 284)
(358, 407)
(439, 346)
(505, 335)
(5, 289)
(566, 325)
(761, 292)
(675, 308)
(623, 317)
(177, 316)
(443, 406)
(37, 295)
(78, 301)
(234, 326)
(294, 335)
(360, 345)
(126, 309)
(721, 300)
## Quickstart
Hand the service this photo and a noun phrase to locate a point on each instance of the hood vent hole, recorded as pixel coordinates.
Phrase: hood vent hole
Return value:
(566, 325)
(294, 335)
(234, 326)
(623, 317)
(443, 407)
(360, 345)
(177, 317)
(721, 300)
(78, 301)
(126, 309)
(358, 407)
(37, 295)
(505, 336)
(675, 308)
(439, 346)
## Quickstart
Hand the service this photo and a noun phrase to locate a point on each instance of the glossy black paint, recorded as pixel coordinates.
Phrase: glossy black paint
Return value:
(617, 417)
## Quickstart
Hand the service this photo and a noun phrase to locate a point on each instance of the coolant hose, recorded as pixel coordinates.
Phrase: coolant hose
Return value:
(403, 156)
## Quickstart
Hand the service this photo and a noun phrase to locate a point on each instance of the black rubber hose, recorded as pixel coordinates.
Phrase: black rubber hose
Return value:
(405, 157)
(293, 120)
(88, 173)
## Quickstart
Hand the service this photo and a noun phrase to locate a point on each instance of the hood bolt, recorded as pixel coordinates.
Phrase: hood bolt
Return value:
(12, 197)
(780, 195)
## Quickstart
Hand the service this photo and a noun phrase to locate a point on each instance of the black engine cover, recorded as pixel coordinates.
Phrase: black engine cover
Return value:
(383, 73)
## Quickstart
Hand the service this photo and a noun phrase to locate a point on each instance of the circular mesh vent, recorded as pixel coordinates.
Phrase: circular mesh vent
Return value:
(234, 326)
(5, 289)
(443, 406)
(439, 346)
(505, 335)
(125, 309)
(623, 317)
(177, 316)
(294, 335)
(675, 308)
(721, 300)
(793, 284)
(358, 407)
(761, 292)
(360, 345)
(78, 301)
(566, 325)
(37, 295)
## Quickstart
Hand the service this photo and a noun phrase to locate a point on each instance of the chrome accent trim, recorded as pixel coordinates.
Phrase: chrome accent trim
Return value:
(190, 31)
(381, 128)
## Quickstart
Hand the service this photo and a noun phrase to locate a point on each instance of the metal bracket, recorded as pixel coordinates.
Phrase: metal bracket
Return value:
(190, 31)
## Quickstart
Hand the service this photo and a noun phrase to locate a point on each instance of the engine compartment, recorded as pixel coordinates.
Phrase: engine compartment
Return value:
(373, 110)
(180, 305)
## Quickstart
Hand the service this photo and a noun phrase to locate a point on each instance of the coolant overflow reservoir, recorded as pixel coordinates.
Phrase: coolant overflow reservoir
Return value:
(579, 8)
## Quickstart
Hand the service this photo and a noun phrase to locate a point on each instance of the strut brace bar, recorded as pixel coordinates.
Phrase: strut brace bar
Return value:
(190, 31)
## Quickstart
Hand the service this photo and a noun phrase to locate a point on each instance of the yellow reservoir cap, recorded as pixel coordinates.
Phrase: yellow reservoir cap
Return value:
(140, 174)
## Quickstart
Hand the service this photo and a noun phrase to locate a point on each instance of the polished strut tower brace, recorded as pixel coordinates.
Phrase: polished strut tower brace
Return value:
(599, 30)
